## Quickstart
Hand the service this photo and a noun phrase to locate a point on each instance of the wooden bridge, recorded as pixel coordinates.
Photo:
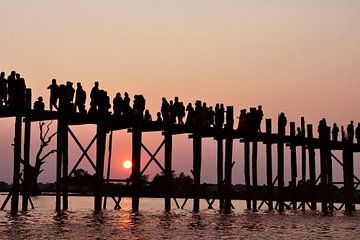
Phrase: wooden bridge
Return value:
(316, 188)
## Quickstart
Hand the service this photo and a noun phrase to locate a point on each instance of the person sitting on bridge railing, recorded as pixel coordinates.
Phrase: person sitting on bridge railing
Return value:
(117, 105)
(80, 99)
(335, 132)
(3, 90)
(39, 105)
(126, 109)
(350, 132)
(159, 120)
(139, 106)
(147, 117)
(54, 94)
(357, 133)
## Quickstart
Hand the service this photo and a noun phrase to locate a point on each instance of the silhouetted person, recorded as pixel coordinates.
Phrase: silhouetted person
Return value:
(177, 109)
(127, 111)
(190, 115)
(19, 96)
(350, 132)
(147, 117)
(300, 134)
(198, 114)
(211, 116)
(259, 116)
(242, 120)
(181, 113)
(3, 90)
(54, 94)
(357, 133)
(204, 115)
(11, 88)
(80, 99)
(158, 118)
(165, 110)
(117, 104)
(219, 115)
(335, 132)
(282, 121)
(70, 92)
(39, 104)
(343, 135)
(322, 129)
(62, 99)
(172, 112)
(94, 96)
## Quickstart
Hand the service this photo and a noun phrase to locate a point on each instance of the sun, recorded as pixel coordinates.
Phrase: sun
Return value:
(127, 164)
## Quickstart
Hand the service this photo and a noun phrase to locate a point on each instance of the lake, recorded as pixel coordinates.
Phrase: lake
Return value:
(151, 222)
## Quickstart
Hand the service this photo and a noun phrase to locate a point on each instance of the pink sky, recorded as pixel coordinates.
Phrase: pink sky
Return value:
(300, 57)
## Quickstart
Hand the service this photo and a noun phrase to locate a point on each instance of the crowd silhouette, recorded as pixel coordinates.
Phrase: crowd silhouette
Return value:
(65, 99)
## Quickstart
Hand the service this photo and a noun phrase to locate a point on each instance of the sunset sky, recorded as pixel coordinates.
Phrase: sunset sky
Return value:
(299, 57)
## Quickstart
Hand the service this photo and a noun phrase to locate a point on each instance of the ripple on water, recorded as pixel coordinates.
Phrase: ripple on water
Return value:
(151, 222)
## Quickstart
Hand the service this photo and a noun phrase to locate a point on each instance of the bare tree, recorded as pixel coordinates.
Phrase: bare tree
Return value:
(33, 172)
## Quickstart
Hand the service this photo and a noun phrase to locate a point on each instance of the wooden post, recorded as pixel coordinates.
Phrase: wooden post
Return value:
(65, 158)
(196, 170)
(348, 173)
(254, 174)
(17, 160)
(220, 171)
(25, 196)
(269, 178)
(247, 173)
(323, 173)
(59, 164)
(100, 157)
(312, 168)
(108, 169)
(280, 153)
(228, 158)
(329, 170)
(168, 169)
(293, 165)
(303, 159)
(136, 160)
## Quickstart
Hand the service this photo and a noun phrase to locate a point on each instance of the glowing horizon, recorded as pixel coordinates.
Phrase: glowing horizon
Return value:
(301, 58)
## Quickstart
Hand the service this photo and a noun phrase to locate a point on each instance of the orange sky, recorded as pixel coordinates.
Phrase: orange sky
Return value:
(300, 57)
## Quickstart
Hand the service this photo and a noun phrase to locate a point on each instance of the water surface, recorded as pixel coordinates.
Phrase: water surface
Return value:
(151, 222)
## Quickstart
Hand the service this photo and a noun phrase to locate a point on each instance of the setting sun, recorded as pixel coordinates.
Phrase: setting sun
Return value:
(127, 164)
